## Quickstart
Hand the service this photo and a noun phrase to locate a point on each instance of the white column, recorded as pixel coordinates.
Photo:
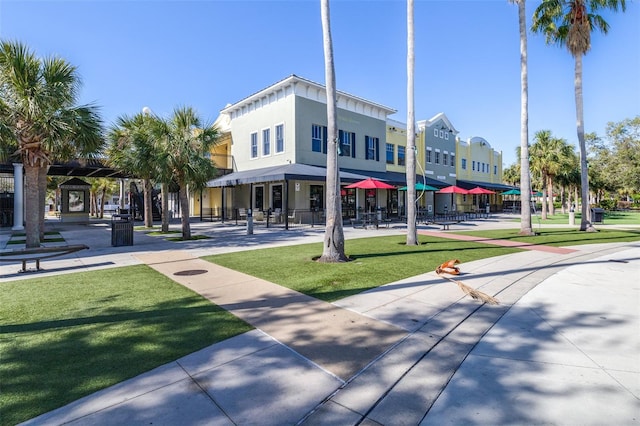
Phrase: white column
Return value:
(18, 197)
(122, 194)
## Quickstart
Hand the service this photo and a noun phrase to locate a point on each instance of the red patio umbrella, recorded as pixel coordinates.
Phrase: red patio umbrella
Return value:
(370, 183)
(452, 190)
(477, 190)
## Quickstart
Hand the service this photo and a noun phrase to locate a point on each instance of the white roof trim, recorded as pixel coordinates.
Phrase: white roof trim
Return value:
(311, 90)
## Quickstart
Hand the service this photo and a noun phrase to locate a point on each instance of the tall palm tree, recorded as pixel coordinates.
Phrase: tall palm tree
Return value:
(38, 110)
(570, 22)
(132, 148)
(412, 232)
(184, 141)
(525, 172)
(333, 248)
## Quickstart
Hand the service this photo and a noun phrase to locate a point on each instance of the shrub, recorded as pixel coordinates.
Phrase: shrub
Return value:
(608, 204)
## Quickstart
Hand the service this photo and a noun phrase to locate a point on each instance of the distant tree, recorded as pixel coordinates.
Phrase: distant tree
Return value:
(132, 148)
(333, 247)
(568, 177)
(184, 142)
(511, 175)
(570, 22)
(412, 232)
(525, 172)
(548, 155)
(41, 120)
(624, 138)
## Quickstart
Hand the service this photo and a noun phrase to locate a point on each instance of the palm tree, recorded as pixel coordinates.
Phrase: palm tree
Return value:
(412, 233)
(132, 148)
(333, 248)
(42, 121)
(184, 141)
(511, 174)
(570, 22)
(525, 172)
(548, 155)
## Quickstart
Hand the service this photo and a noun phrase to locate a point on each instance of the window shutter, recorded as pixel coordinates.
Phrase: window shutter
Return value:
(324, 139)
(353, 145)
(339, 147)
(377, 149)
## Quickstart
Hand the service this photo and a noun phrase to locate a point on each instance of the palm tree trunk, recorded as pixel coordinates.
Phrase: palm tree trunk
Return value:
(42, 196)
(543, 214)
(550, 192)
(525, 174)
(183, 195)
(165, 207)
(148, 212)
(103, 199)
(333, 249)
(412, 232)
(31, 204)
(585, 220)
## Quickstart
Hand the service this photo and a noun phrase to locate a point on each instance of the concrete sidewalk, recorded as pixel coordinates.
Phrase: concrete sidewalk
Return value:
(411, 352)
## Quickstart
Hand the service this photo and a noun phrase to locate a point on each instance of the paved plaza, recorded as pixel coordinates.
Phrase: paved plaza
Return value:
(562, 347)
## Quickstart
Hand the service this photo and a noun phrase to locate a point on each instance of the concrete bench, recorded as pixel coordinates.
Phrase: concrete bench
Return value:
(445, 225)
(359, 223)
(38, 253)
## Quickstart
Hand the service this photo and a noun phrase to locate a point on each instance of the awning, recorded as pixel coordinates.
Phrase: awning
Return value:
(400, 179)
(498, 187)
(279, 174)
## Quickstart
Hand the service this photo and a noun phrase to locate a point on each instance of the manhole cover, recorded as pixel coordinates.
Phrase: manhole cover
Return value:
(191, 272)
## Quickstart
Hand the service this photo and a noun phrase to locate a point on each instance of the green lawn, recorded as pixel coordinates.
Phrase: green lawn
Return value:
(610, 218)
(376, 261)
(67, 336)
(561, 237)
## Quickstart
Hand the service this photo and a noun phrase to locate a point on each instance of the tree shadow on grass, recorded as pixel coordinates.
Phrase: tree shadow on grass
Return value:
(47, 364)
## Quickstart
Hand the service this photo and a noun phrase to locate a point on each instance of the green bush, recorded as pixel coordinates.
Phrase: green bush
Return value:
(608, 204)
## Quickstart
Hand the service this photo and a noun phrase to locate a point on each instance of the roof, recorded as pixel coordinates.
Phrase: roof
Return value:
(280, 173)
(400, 179)
(73, 183)
(292, 80)
(470, 184)
(79, 167)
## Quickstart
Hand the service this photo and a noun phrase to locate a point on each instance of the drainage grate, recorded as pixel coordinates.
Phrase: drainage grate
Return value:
(191, 272)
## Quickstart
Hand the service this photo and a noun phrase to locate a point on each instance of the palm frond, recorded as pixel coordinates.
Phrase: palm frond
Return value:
(450, 267)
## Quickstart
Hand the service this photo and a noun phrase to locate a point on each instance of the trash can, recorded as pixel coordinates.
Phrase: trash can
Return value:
(597, 215)
(121, 230)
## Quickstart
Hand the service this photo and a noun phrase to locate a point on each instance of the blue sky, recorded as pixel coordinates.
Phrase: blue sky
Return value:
(208, 53)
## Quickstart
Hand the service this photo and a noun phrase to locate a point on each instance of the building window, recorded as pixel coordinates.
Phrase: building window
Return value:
(390, 153)
(401, 156)
(435, 132)
(437, 157)
(317, 136)
(428, 156)
(441, 134)
(254, 145)
(371, 146)
(495, 170)
(266, 142)
(473, 166)
(445, 158)
(463, 164)
(446, 135)
(347, 143)
(453, 160)
(280, 138)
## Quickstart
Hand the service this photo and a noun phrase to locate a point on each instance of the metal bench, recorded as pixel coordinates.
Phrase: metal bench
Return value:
(38, 253)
